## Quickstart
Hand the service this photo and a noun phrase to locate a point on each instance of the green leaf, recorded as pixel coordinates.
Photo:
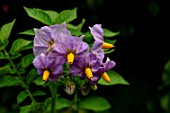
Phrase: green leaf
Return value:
(39, 15)
(38, 93)
(108, 33)
(31, 75)
(76, 30)
(7, 80)
(36, 107)
(3, 56)
(66, 16)
(5, 32)
(95, 104)
(154, 8)
(25, 109)
(21, 71)
(27, 60)
(110, 41)
(21, 96)
(28, 32)
(60, 103)
(108, 51)
(115, 78)
(39, 81)
(2, 47)
(165, 101)
(88, 38)
(166, 74)
(19, 45)
(5, 70)
(53, 15)
(15, 56)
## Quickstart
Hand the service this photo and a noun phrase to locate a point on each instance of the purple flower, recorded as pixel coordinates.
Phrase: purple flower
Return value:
(98, 35)
(101, 72)
(46, 36)
(70, 47)
(50, 68)
(84, 66)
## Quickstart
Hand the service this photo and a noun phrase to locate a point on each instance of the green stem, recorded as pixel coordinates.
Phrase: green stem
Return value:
(53, 90)
(75, 100)
(23, 83)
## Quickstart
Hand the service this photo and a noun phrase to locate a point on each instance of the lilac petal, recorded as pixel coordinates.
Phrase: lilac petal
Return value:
(80, 46)
(40, 71)
(75, 70)
(82, 60)
(58, 47)
(48, 35)
(97, 46)
(63, 44)
(92, 58)
(61, 59)
(96, 77)
(97, 60)
(39, 49)
(97, 32)
(42, 37)
(39, 61)
(60, 30)
(100, 56)
(109, 64)
(57, 69)
(54, 78)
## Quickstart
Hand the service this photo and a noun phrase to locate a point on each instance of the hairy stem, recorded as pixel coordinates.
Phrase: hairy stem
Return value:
(23, 83)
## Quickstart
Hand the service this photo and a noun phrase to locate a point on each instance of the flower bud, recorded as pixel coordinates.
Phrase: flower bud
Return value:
(85, 89)
(70, 87)
(93, 87)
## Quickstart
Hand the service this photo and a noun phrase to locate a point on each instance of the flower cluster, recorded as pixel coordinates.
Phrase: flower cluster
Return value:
(54, 46)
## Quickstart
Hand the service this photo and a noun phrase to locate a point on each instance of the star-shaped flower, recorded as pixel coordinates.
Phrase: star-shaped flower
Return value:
(98, 35)
(70, 47)
(46, 36)
(84, 66)
(102, 71)
(49, 67)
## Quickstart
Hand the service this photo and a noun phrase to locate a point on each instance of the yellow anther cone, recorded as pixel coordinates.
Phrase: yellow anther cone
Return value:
(70, 58)
(88, 73)
(107, 45)
(46, 75)
(105, 77)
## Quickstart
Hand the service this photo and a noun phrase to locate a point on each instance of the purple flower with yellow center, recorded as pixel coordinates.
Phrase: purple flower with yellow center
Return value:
(48, 67)
(70, 47)
(84, 66)
(46, 36)
(102, 71)
(98, 35)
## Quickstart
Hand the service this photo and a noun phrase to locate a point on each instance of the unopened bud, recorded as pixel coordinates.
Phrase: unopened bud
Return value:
(93, 87)
(70, 87)
(85, 90)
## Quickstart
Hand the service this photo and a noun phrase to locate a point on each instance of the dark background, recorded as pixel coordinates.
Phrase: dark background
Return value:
(142, 48)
